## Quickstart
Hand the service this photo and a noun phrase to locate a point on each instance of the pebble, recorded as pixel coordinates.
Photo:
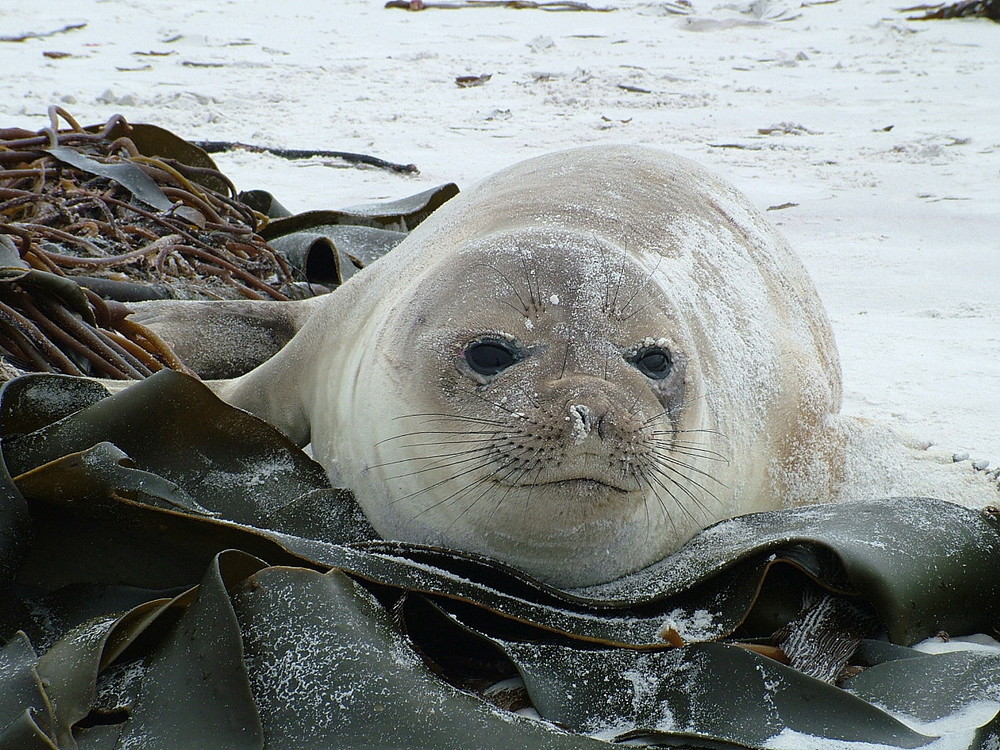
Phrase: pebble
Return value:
(980, 465)
(960, 457)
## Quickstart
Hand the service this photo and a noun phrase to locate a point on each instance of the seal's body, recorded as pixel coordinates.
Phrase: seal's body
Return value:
(572, 367)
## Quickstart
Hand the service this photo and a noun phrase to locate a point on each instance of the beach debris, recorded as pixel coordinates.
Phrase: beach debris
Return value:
(41, 34)
(466, 82)
(215, 147)
(549, 5)
(787, 128)
(964, 9)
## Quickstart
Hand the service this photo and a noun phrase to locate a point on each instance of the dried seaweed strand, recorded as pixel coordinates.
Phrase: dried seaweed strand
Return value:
(137, 331)
(34, 344)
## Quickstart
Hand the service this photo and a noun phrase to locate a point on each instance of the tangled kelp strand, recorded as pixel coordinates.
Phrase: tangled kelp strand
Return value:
(91, 207)
(89, 198)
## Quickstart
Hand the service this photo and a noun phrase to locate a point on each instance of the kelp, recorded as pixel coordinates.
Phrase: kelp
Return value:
(49, 323)
(214, 147)
(91, 201)
(400, 215)
(184, 576)
(82, 207)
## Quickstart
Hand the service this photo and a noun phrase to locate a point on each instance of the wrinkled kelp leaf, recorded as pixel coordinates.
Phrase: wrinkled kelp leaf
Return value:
(311, 641)
(875, 543)
(400, 215)
(691, 690)
(263, 202)
(331, 254)
(198, 672)
(24, 710)
(129, 176)
(313, 256)
(152, 140)
(233, 462)
(930, 687)
(289, 641)
(100, 472)
(43, 284)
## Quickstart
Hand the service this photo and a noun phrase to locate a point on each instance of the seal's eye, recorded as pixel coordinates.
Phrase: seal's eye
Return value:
(490, 357)
(653, 362)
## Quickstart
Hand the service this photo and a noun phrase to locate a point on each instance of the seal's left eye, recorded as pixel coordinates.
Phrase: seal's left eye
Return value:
(654, 363)
(490, 357)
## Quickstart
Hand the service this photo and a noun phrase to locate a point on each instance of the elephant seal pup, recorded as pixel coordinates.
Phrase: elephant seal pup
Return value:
(573, 367)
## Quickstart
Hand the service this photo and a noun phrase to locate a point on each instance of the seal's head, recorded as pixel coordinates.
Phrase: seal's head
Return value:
(533, 408)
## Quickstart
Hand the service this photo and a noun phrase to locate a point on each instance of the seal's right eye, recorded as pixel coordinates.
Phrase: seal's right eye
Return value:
(490, 357)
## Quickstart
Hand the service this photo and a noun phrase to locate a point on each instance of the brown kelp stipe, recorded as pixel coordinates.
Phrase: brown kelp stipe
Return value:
(116, 212)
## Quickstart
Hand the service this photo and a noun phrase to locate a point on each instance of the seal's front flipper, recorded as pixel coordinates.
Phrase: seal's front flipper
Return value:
(224, 338)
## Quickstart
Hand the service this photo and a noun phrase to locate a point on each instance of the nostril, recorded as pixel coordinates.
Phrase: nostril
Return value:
(582, 418)
(584, 415)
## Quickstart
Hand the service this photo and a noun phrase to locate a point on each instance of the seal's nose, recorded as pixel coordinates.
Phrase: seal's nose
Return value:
(587, 419)
(583, 415)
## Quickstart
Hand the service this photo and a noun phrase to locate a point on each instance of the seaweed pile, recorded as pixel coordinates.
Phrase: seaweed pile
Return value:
(91, 217)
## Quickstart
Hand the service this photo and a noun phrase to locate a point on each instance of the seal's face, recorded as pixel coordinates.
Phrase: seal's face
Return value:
(540, 412)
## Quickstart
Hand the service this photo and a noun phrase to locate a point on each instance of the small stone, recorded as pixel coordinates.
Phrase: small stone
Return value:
(980, 465)
(540, 43)
(960, 457)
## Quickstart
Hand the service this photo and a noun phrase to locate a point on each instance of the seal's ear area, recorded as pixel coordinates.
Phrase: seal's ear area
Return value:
(221, 339)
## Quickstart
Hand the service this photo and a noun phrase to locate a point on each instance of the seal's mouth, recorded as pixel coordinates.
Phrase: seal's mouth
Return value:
(587, 485)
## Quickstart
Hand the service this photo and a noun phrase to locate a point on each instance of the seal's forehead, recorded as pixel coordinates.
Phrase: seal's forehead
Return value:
(565, 262)
(537, 279)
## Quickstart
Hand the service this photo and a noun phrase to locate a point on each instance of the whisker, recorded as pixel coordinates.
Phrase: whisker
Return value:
(441, 432)
(457, 494)
(690, 449)
(515, 414)
(681, 506)
(451, 498)
(442, 417)
(689, 432)
(535, 301)
(565, 363)
(435, 458)
(675, 465)
(663, 507)
(663, 471)
(626, 318)
(492, 487)
(524, 308)
(639, 288)
(510, 487)
(618, 286)
(430, 487)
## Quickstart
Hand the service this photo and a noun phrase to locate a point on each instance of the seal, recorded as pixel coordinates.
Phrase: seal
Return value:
(572, 368)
